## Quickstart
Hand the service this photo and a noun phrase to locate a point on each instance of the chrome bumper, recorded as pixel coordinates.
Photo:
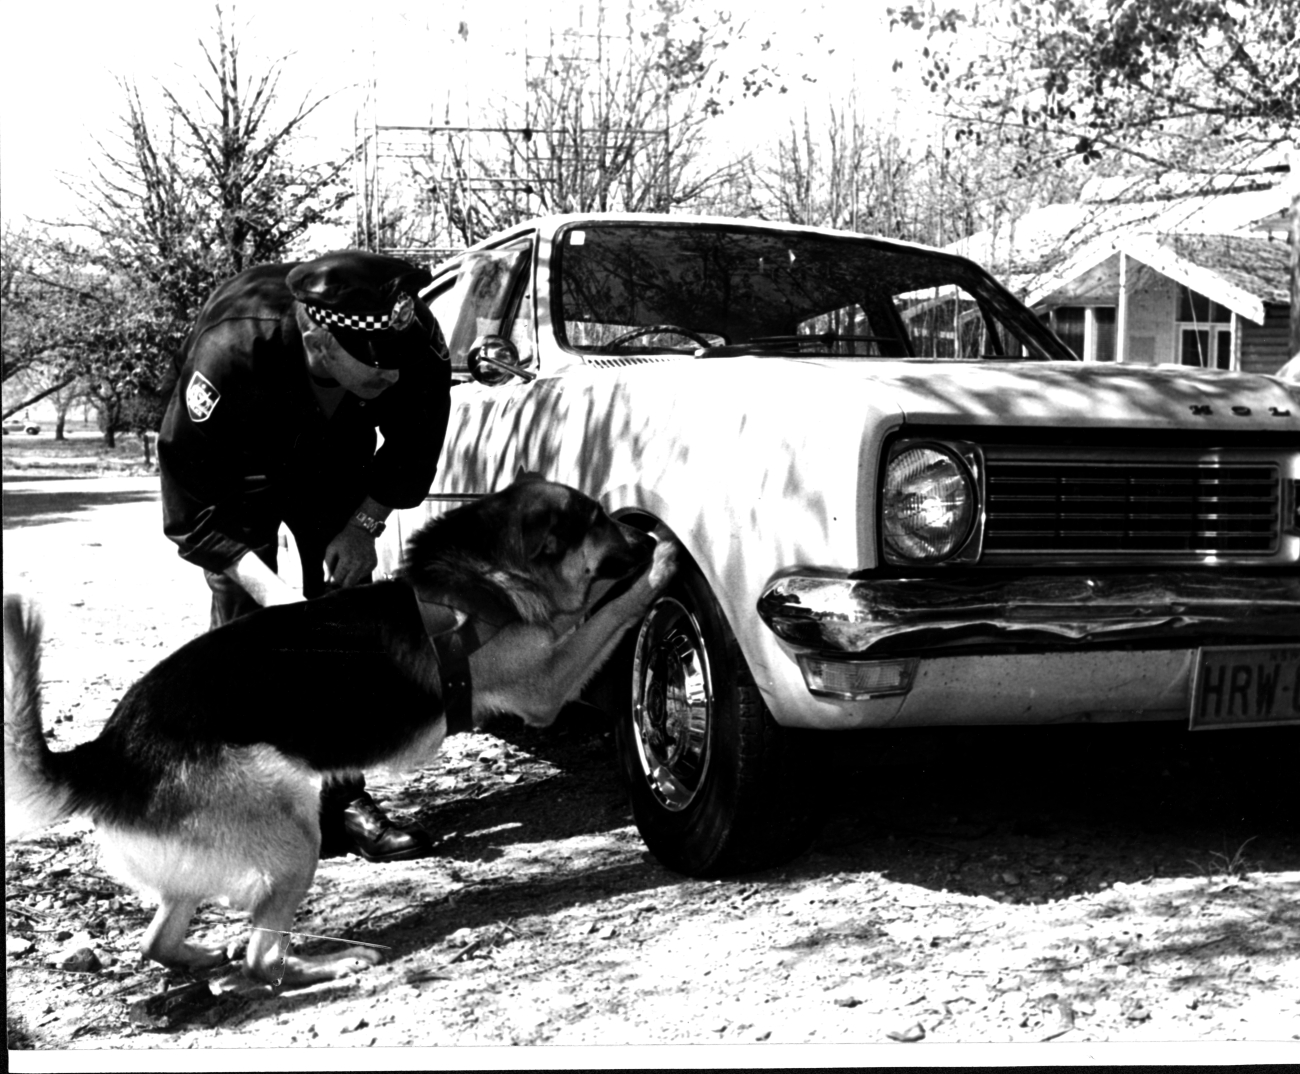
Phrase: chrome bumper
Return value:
(836, 613)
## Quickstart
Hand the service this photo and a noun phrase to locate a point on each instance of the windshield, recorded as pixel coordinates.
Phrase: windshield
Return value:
(712, 290)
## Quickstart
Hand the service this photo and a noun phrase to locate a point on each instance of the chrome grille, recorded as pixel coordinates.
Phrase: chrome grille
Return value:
(1093, 507)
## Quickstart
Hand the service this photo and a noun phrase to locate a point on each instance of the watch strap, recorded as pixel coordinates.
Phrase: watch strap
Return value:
(369, 523)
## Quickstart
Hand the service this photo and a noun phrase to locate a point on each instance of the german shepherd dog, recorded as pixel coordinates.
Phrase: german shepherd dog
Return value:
(205, 781)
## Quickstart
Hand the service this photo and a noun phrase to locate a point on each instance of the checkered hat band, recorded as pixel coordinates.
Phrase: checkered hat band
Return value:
(361, 322)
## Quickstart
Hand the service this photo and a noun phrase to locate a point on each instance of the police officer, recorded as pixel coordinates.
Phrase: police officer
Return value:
(283, 381)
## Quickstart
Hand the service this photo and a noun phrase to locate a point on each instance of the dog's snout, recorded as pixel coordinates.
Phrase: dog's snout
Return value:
(628, 550)
(640, 545)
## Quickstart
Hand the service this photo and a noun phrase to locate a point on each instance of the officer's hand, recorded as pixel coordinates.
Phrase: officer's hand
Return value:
(350, 558)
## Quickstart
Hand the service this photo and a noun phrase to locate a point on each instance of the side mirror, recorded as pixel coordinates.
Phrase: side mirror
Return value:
(493, 360)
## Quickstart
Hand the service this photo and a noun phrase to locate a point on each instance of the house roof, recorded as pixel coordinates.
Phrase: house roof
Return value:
(1256, 265)
(1241, 272)
(1030, 244)
(1220, 245)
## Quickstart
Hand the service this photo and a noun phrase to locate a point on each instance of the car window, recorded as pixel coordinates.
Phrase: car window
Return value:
(628, 286)
(484, 295)
(521, 321)
(949, 322)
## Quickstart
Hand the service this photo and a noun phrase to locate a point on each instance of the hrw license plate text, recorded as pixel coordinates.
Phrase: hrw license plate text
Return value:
(1246, 686)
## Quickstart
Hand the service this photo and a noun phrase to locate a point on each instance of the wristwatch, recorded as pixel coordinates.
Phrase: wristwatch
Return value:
(371, 525)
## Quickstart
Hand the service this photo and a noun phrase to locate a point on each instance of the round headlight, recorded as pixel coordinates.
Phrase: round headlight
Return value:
(928, 506)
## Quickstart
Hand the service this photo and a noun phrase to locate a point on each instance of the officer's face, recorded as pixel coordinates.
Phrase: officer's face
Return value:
(360, 379)
(327, 359)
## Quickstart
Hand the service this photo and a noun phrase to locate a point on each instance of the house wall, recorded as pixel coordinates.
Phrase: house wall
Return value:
(1263, 347)
(1151, 307)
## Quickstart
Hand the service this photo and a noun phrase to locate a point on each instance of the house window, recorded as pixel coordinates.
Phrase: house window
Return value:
(1089, 331)
(1203, 334)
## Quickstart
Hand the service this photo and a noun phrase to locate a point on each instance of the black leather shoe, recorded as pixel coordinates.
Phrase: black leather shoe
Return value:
(368, 831)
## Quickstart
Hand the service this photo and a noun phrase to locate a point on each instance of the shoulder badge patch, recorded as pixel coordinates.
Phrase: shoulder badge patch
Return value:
(201, 398)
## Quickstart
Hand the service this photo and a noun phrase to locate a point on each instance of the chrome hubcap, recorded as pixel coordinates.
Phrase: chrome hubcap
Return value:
(672, 704)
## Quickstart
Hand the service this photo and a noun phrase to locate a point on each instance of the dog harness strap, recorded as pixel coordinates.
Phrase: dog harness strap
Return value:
(453, 665)
(454, 635)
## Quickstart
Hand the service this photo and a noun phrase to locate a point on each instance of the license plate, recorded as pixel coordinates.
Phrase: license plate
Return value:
(1246, 686)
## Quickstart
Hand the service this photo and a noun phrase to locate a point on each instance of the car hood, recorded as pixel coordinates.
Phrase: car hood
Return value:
(1074, 393)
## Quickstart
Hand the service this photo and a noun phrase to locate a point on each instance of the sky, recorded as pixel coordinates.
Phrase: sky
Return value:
(59, 90)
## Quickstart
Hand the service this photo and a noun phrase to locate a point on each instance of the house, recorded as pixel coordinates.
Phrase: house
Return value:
(1197, 279)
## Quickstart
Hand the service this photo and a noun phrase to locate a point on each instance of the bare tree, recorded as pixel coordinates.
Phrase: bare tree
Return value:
(857, 170)
(173, 207)
(620, 125)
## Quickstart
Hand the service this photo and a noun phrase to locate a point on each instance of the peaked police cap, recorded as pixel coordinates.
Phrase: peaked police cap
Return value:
(369, 303)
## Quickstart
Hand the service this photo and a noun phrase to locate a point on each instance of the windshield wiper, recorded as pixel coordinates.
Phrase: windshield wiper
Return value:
(793, 344)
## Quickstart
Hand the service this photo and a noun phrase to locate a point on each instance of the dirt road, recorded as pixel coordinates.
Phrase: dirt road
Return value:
(1074, 889)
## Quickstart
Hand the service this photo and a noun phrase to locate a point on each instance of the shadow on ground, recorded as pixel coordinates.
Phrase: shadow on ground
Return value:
(43, 507)
(1035, 814)
(1022, 815)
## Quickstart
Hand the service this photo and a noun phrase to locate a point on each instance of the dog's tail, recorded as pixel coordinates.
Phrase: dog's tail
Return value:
(37, 794)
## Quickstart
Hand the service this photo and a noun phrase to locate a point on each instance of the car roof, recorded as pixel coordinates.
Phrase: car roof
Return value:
(547, 226)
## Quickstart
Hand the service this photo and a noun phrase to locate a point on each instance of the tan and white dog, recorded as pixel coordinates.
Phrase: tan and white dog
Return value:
(205, 781)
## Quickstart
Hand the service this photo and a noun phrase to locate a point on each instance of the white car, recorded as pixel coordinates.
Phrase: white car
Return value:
(20, 425)
(903, 503)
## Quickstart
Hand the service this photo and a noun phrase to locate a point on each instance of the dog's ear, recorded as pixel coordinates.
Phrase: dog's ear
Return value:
(523, 476)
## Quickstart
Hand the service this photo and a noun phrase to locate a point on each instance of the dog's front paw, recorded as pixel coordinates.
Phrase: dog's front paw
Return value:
(664, 564)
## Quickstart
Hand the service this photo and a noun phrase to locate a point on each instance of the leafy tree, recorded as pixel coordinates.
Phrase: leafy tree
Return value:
(1204, 88)
(47, 308)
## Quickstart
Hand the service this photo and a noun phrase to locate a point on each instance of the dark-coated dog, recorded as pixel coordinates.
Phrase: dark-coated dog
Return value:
(205, 781)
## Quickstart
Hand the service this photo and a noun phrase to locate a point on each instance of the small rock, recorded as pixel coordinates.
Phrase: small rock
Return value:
(17, 945)
(846, 1001)
(460, 938)
(353, 1026)
(79, 960)
(1137, 1013)
(607, 933)
(1011, 880)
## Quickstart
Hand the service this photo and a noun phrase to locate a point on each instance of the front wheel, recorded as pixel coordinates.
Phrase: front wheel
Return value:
(717, 786)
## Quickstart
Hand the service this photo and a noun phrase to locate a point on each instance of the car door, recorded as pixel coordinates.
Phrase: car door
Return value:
(491, 296)
(486, 293)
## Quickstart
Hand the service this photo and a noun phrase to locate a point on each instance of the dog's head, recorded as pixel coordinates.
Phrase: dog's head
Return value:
(568, 537)
(535, 539)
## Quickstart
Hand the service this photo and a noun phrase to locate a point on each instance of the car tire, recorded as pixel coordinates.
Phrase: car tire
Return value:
(717, 786)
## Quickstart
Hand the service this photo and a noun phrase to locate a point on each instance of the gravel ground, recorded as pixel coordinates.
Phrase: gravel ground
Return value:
(1082, 894)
